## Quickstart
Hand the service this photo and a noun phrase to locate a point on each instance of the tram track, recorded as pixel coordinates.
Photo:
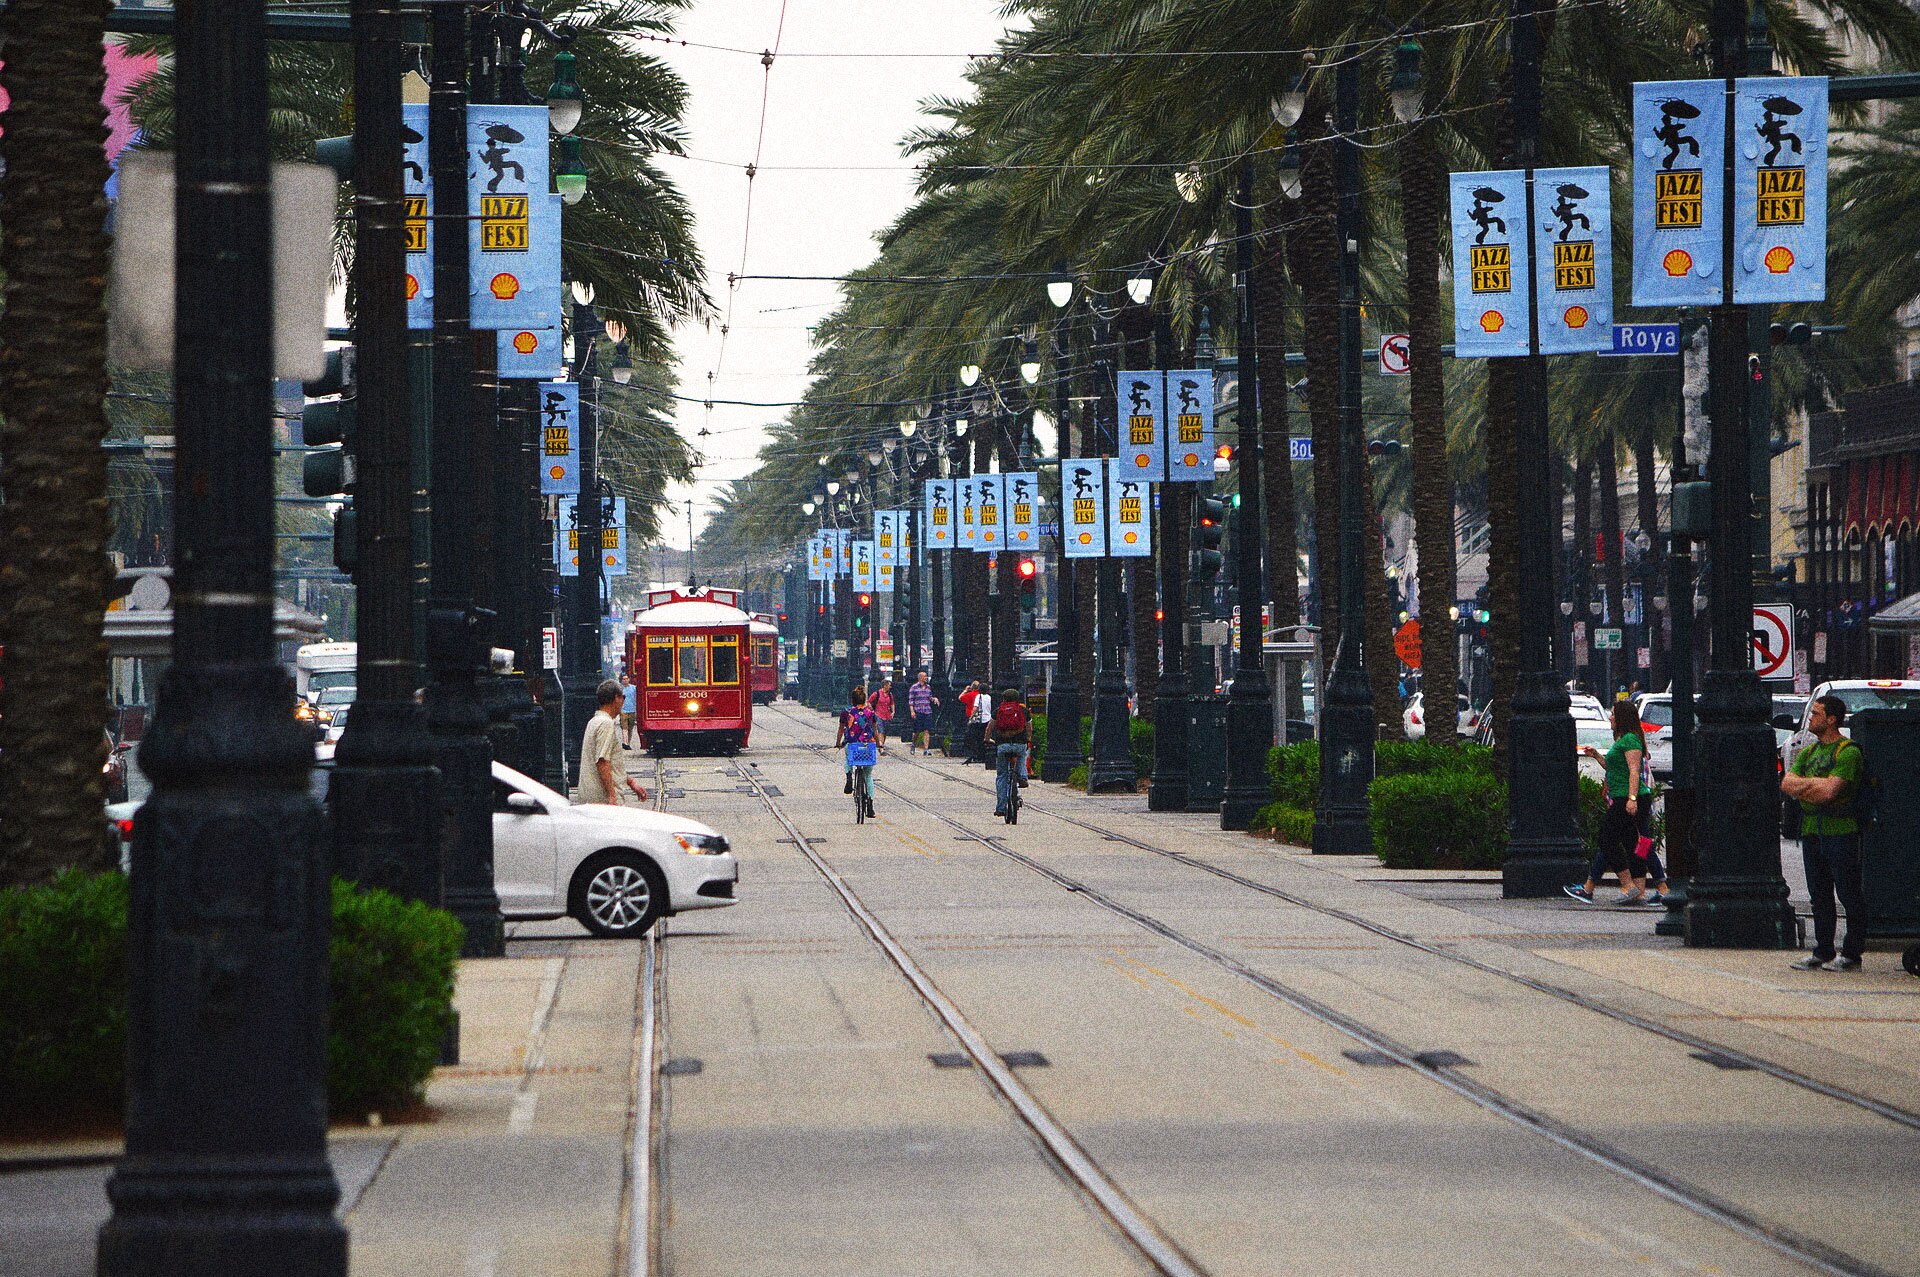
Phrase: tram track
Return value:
(1742, 1059)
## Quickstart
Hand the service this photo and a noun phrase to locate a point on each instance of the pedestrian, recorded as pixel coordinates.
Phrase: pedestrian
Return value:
(881, 703)
(1626, 831)
(629, 708)
(1825, 778)
(600, 752)
(979, 714)
(967, 698)
(920, 703)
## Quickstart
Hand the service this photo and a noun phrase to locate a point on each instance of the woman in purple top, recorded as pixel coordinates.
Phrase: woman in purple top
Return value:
(920, 703)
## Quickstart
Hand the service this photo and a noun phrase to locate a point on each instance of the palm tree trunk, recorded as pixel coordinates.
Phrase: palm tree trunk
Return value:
(1420, 179)
(1276, 474)
(1312, 251)
(53, 472)
(1383, 667)
(1503, 551)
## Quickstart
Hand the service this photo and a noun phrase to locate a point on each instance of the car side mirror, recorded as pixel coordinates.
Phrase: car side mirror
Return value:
(525, 803)
(1785, 722)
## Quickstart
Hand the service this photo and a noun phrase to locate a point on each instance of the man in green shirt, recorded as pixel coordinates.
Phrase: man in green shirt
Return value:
(1824, 778)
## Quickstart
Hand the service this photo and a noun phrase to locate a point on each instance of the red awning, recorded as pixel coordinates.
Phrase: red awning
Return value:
(1856, 496)
(1903, 510)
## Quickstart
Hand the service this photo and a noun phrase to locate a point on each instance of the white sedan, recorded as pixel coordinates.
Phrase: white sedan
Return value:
(615, 870)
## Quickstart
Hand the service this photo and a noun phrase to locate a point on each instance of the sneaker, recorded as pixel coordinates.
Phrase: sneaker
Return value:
(1842, 964)
(1810, 963)
(1000, 811)
(1579, 893)
(1656, 898)
(848, 789)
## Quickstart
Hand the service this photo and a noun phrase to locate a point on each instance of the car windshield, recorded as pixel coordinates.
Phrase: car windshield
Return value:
(1657, 713)
(335, 696)
(1598, 735)
(1859, 698)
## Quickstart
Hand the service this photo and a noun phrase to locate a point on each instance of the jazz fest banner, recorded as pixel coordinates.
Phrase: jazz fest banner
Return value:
(1129, 514)
(535, 352)
(863, 566)
(1780, 189)
(1573, 252)
(967, 512)
(886, 541)
(1679, 139)
(566, 537)
(613, 539)
(1083, 502)
(816, 559)
(1022, 509)
(939, 514)
(1190, 413)
(1490, 263)
(559, 417)
(1141, 411)
(418, 189)
(514, 225)
(990, 532)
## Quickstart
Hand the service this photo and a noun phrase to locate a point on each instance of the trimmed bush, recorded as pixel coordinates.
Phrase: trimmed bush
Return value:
(1289, 824)
(1039, 738)
(1416, 757)
(63, 997)
(1077, 778)
(1294, 771)
(1140, 745)
(1448, 818)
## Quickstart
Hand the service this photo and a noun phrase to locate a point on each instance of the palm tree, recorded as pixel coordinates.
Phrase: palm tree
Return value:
(53, 471)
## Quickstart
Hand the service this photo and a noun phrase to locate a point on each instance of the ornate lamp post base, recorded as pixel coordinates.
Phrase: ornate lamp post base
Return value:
(253, 1215)
(1063, 731)
(1737, 899)
(1249, 735)
(1168, 792)
(1111, 769)
(1340, 825)
(1543, 854)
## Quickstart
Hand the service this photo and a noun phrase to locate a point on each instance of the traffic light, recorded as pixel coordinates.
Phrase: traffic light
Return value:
(1029, 585)
(1383, 447)
(1789, 334)
(327, 423)
(862, 604)
(1207, 557)
(1224, 452)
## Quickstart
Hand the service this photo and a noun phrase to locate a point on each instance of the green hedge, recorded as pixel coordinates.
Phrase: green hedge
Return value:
(1288, 823)
(1139, 741)
(63, 993)
(1444, 818)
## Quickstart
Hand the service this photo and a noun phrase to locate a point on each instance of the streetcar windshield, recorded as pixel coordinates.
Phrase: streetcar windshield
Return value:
(659, 663)
(726, 661)
(693, 661)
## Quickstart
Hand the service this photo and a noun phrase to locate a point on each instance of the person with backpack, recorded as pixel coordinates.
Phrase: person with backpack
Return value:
(881, 703)
(1011, 734)
(857, 725)
(1626, 831)
(1825, 779)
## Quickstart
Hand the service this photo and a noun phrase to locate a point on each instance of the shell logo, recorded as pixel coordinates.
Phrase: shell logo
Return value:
(1779, 259)
(1191, 459)
(611, 560)
(525, 343)
(1023, 536)
(1677, 262)
(413, 286)
(1492, 321)
(1576, 316)
(1132, 537)
(556, 472)
(1086, 538)
(504, 286)
(1141, 459)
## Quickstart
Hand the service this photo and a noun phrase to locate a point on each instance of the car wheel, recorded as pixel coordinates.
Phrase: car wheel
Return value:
(617, 894)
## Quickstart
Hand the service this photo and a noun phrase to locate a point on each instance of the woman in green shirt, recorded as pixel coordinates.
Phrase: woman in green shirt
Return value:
(1628, 824)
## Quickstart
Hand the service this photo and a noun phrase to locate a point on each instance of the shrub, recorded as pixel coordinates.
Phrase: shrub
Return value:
(1294, 771)
(1140, 745)
(1415, 757)
(390, 988)
(1039, 738)
(1289, 824)
(63, 996)
(1448, 818)
(1077, 778)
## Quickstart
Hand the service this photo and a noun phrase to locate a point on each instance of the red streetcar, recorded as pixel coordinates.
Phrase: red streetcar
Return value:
(764, 634)
(689, 650)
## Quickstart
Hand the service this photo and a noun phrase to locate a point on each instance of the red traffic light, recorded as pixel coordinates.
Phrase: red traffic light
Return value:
(866, 600)
(1027, 569)
(1224, 452)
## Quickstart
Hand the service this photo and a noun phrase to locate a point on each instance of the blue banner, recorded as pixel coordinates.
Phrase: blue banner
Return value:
(559, 419)
(1490, 263)
(863, 566)
(991, 531)
(1142, 408)
(1083, 501)
(1023, 510)
(939, 514)
(888, 526)
(1573, 253)
(514, 222)
(815, 559)
(1189, 400)
(1129, 515)
(843, 551)
(1679, 136)
(1780, 189)
(883, 577)
(967, 513)
(613, 541)
(418, 186)
(528, 354)
(566, 538)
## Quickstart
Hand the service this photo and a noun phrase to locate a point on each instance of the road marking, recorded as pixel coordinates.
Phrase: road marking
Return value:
(520, 1120)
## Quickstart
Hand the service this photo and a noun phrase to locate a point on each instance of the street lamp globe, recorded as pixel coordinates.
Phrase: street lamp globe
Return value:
(806, 507)
(969, 374)
(1408, 89)
(622, 364)
(1289, 165)
(1030, 362)
(1291, 105)
(908, 427)
(960, 427)
(873, 456)
(583, 292)
(1060, 288)
(889, 445)
(566, 100)
(1140, 288)
(833, 487)
(570, 178)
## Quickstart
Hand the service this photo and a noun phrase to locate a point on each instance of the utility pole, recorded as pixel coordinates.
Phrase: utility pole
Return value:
(1737, 898)
(1346, 719)
(1250, 707)
(226, 1160)
(1544, 846)
(459, 633)
(385, 790)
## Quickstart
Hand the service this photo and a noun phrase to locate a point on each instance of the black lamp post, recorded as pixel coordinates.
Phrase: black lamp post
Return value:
(1063, 693)
(226, 1163)
(1206, 721)
(1168, 791)
(385, 791)
(1250, 708)
(1544, 846)
(960, 466)
(1737, 898)
(1110, 770)
(581, 670)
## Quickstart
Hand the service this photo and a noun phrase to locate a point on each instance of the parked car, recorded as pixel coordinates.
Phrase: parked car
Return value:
(1412, 718)
(1600, 736)
(1656, 726)
(1858, 693)
(1586, 705)
(615, 870)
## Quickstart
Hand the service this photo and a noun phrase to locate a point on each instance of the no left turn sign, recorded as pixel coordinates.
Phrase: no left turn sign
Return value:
(1773, 640)
(1396, 356)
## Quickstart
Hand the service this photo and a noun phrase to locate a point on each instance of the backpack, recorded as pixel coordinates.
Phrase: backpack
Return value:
(1010, 720)
(859, 725)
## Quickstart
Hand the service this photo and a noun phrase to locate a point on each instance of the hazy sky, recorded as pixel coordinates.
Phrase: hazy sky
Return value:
(819, 111)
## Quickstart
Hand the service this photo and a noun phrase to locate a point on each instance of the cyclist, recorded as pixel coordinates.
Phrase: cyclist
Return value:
(1010, 732)
(858, 725)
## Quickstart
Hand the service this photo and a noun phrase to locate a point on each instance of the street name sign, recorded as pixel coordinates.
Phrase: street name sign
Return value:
(1645, 339)
(1607, 639)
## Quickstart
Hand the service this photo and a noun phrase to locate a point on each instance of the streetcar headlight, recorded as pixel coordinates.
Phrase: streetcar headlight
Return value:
(693, 707)
(702, 844)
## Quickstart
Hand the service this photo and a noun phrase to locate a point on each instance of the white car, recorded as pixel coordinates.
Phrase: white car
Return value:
(1585, 705)
(1413, 720)
(615, 870)
(1859, 694)
(1600, 736)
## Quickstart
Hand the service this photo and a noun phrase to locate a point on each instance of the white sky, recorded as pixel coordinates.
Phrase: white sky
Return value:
(820, 111)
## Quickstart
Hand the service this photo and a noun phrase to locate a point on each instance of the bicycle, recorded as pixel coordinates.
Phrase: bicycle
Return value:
(1011, 767)
(861, 757)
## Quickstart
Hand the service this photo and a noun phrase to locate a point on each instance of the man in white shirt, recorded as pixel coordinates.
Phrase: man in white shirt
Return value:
(977, 720)
(600, 752)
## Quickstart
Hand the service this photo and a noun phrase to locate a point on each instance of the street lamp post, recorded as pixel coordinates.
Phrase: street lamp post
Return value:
(1168, 790)
(1206, 722)
(1063, 693)
(459, 634)
(1543, 845)
(226, 1161)
(1110, 770)
(581, 670)
(960, 465)
(1737, 898)
(1340, 825)
(1250, 709)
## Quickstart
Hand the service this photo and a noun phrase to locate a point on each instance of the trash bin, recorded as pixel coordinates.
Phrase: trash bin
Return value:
(1890, 842)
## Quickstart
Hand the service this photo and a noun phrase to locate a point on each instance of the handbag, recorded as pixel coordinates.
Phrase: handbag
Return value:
(1644, 847)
